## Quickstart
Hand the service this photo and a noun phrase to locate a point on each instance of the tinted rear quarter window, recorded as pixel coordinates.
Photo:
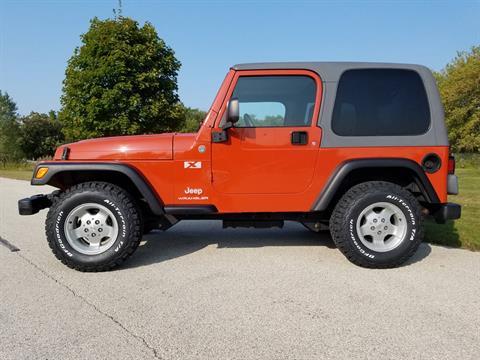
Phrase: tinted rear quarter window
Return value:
(380, 102)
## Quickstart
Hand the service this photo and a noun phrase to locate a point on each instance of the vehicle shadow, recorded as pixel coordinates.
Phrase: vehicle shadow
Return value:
(442, 234)
(188, 237)
(422, 252)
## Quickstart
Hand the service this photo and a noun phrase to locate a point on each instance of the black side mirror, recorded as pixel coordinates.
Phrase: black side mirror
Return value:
(233, 113)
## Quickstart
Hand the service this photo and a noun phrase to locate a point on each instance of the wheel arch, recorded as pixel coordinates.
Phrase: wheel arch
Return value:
(404, 172)
(64, 175)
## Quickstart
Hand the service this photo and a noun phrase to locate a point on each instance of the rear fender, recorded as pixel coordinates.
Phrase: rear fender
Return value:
(343, 171)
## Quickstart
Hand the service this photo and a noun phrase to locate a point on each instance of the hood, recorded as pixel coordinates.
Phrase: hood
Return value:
(137, 147)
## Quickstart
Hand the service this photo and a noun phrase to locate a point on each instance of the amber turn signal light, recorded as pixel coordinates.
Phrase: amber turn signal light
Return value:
(41, 172)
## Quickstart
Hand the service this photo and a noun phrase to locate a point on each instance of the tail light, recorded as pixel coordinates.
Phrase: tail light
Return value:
(451, 164)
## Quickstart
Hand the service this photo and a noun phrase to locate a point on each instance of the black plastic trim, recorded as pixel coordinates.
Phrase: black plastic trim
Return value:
(33, 204)
(299, 138)
(448, 211)
(65, 153)
(55, 168)
(324, 199)
(219, 136)
(190, 209)
(436, 161)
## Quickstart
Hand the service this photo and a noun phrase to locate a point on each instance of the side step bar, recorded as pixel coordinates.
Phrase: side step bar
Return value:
(252, 223)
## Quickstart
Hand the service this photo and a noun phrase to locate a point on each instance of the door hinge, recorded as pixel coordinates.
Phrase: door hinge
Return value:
(219, 136)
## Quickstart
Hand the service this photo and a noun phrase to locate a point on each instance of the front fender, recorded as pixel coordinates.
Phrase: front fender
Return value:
(61, 173)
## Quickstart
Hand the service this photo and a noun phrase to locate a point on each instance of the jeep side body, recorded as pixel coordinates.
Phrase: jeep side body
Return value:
(360, 148)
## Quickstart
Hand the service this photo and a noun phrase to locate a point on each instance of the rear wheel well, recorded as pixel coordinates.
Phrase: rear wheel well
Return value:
(404, 177)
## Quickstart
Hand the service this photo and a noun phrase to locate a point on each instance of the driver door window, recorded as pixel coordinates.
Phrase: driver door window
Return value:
(261, 114)
(275, 101)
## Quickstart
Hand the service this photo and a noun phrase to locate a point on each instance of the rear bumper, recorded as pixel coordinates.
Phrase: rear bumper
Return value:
(33, 204)
(447, 211)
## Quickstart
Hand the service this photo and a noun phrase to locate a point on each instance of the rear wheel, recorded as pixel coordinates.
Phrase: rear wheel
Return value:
(93, 226)
(377, 224)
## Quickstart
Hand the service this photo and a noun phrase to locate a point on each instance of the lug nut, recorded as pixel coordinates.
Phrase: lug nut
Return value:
(383, 220)
(86, 230)
(372, 228)
(379, 232)
(374, 220)
(100, 230)
(385, 228)
(93, 234)
(97, 222)
(88, 222)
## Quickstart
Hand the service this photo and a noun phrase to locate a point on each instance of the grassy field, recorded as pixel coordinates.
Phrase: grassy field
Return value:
(461, 233)
(20, 171)
(465, 231)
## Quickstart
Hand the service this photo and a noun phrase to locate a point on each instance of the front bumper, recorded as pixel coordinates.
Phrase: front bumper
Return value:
(33, 204)
(447, 211)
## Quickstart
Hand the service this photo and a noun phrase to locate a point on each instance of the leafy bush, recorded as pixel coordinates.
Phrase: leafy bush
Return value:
(40, 135)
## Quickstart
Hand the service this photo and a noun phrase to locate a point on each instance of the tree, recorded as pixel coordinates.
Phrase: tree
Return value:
(9, 126)
(459, 85)
(40, 135)
(121, 80)
(193, 119)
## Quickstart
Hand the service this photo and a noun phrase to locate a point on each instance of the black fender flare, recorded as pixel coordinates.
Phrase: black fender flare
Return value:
(143, 186)
(343, 170)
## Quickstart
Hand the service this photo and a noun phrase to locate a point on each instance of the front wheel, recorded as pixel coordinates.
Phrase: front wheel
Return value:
(93, 226)
(377, 224)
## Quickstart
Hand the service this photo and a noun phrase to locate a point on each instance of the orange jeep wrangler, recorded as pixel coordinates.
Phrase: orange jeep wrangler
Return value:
(360, 147)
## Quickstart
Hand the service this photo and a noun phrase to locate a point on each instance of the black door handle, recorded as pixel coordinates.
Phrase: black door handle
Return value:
(299, 138)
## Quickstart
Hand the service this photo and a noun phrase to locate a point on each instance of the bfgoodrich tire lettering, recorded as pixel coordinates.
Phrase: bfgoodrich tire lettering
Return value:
(120, 205)
(345, 217)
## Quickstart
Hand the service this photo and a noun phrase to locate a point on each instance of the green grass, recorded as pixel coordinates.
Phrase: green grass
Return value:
(20, 171)
(461, 233)
(16, 174)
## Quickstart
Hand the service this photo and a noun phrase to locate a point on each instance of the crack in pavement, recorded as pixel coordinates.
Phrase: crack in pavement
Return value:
(8, 245)
(138, 337)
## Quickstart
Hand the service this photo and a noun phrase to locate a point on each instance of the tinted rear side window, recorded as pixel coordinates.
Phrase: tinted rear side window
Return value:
(380, 102)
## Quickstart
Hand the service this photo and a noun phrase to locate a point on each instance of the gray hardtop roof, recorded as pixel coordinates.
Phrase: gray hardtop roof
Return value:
(328, 71)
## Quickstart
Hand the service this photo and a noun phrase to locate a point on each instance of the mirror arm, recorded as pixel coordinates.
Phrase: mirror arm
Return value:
(227, 125)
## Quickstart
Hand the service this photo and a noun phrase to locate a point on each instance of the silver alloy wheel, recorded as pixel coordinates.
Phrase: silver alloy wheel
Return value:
(381, 226)
(91, 229)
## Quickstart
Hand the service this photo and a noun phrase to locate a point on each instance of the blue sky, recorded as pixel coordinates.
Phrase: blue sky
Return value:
(38, 37)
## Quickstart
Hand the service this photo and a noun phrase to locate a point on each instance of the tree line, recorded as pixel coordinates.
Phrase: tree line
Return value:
(122, 80)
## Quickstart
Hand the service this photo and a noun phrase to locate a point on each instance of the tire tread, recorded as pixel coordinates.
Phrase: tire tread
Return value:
(338, 222)
(133, 221)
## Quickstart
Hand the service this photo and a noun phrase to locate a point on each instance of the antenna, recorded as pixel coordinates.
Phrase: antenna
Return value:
(118, 12)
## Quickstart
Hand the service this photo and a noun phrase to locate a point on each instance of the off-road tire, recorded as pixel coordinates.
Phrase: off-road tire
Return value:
(344, 219)
(121, 204)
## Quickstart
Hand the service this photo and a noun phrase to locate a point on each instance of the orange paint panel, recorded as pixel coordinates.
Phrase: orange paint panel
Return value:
(160, 176)
(141, 147)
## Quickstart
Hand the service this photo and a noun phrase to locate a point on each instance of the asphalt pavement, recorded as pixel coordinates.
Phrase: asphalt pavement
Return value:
(200, 292)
